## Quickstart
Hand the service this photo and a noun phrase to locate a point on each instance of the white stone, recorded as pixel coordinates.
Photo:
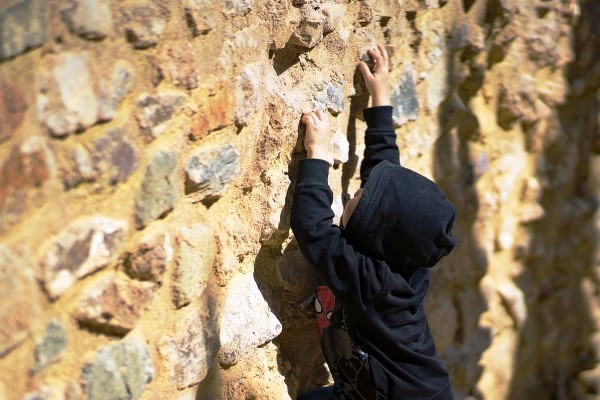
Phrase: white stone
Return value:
(246, 321)
(85, 246)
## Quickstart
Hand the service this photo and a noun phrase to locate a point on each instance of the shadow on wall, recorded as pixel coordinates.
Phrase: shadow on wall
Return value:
(554, 343)
(287, 283)
(460, 273)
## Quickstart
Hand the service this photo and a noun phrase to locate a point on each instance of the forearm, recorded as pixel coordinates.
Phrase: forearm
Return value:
(380, 140)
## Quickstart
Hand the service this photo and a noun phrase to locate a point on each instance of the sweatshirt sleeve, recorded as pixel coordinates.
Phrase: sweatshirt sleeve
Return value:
(354, 278)
(380, 140)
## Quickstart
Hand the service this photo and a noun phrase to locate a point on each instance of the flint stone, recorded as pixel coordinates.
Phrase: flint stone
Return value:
(113, 305)
(247, 321)
(151, 258)
(67, 101)
(51, 346)
(90, 19)
(120, 371)
(87, 245)
(156, 111)
(331, 97)
(190, 348)
(113, 89)
(144, 24)
(404, 98)
(23, 26)
(18, 298)
(158, 193)
(248, 93)
(114, 156)
(194, 258)
(210, 170)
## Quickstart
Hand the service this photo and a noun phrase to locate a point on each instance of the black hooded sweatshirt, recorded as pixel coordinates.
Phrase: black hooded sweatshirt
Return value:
(377, 266)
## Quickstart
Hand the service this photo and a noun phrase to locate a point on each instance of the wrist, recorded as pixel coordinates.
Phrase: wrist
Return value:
(381, 100)
(317, 153)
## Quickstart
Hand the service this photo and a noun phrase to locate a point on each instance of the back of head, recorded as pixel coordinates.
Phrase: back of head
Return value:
(402, 218)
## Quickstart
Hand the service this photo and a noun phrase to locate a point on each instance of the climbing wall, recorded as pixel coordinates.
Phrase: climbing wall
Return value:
(148, 153)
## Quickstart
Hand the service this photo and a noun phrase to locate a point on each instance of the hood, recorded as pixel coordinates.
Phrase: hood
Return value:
(402, 218)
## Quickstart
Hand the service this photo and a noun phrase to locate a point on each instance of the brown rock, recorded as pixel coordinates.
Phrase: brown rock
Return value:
(216, 110)
(151, 258)
(177, 63)
(19, 300)
(113, 304)
(12, 108)
(22, 174)
(83, 247)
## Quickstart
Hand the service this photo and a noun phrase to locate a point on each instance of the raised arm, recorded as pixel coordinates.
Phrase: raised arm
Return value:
(380, 138)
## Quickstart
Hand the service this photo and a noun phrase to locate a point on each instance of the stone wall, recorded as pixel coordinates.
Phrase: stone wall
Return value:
(148, 153)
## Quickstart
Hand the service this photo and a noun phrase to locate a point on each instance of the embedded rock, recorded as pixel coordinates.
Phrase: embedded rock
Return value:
(209, 171)
(23, 26)
(156, 111)
(158, 193)
(189, 347)
(247, 320)
(91, 19)
(49, 348)
(194, 257)
(85, 246)
(118, 371)
(113, 305)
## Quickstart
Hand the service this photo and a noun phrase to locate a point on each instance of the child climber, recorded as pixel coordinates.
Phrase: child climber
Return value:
(374, 269)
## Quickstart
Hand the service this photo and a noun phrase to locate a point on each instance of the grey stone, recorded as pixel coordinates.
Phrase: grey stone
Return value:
(235, 7)
(51, 346)
(404, 98)
(151, 258)
(246, 322)
(113, 89)
(67, 101)
(158, 192)
(23, 26)
(120, 371)
(113, 305)
(85, 246)
(194, 257)
(248, 93)
(201, 16)
(114, 156)
(210, 170)
(155, 111)
(89, 18)
(331, 97)
(144, 24)
(20, 306)
(189, 348)
(308, 34)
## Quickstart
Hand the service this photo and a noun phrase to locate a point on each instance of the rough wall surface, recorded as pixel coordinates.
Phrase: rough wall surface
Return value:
(148, 152)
